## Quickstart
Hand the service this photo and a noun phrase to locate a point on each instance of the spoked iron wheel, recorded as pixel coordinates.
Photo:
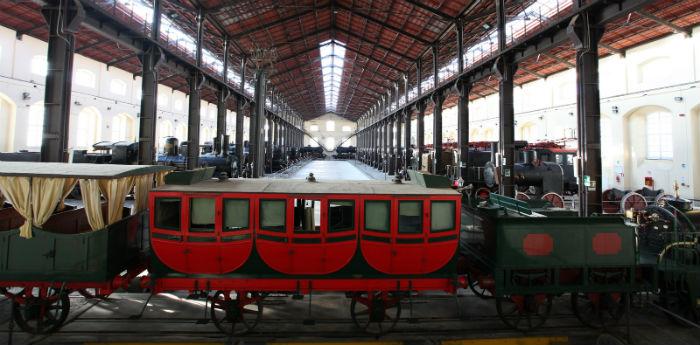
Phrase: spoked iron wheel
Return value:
(477, 289)
(599, 310)
(524, 313)
(236, 313)
(675, 297)
(375, 313)
(40, 310)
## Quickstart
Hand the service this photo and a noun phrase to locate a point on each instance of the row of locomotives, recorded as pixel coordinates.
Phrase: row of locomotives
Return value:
(312, 152)
(620, 201)
(219, 154)
(543, 171)
(344, 153)
(51, 249)
(107, 152)
(524, 257)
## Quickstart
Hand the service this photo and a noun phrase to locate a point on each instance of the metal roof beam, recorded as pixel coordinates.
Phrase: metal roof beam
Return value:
(363, 39)
(384, 24)
(273, 23)
(91, 45)
(533, 73)
(121, 59)
(676, 28)
(421, 5)
(612, 49)
(558, 59)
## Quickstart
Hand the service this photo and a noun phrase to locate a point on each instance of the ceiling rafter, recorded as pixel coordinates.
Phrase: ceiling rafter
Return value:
(385, 25)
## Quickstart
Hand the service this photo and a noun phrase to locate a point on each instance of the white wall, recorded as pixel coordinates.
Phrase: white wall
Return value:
(663, 73)
(319, 131)
(20, 88)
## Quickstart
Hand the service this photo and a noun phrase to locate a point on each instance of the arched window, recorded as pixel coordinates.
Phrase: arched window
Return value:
(35, 126)
(117, 87)
(654, 71)
(89, 127)
(122, 128)
(39, 65)
(85, 78)
(165, 129)
(489, 135)
(528, 132)
(474, 134)
(8, 112)
(659, 135)
(181, 132)
(330, 126)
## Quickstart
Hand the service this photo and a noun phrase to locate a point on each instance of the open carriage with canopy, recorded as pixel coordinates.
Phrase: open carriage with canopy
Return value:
(50, 249)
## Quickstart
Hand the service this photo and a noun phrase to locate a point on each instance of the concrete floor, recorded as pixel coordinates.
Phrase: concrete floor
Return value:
(332, 170)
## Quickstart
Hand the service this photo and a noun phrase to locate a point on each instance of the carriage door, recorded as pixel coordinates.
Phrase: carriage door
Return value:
(442, 232)
(408, 250)
(203, 220)
(340, 242)
(272, 239)
(375, 242)
(236, 231)
(306, 251)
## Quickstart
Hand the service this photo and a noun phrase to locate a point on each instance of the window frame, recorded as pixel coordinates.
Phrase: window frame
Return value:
(225, 198)
(329, 226)
(156, 226)
(454, 216)
(421, 202)
(659, 135)
(285, 216)
(389, 215)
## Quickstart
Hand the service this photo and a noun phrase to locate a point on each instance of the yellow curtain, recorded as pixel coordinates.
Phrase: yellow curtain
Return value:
(34, 199)
(46, 193)
(160, 177)
(142, 185)
(115, 191)
(67, 188)
(17, 190)
(90, 191)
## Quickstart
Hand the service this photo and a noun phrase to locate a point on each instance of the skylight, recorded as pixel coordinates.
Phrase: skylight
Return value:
(332, 55)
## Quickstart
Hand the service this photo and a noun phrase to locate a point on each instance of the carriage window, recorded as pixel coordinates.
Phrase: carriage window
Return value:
(442, 216)
(410, 217)
(377, 215)
(307, 216)
(202, 214)
(558, 158)
(167, 213)
(236, 213)
(273, 214)
(341, 215)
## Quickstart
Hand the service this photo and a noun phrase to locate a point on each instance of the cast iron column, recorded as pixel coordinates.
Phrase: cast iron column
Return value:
(148, 113)
(463, 87)
(221, 108)
(407, 139)
(391, 158)
(505, 70)
(398, 159)
(586, 36)
(420, 133)
(257, 139)
(64, 19)
(196, 82)
(438, 166)
(239, 132)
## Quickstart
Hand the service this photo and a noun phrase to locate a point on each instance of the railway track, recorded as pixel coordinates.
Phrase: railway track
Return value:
(85, 323)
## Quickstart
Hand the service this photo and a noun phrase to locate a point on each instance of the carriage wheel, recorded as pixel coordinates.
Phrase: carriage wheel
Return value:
(482, 292)
(375, 313)
(521, 196)
(675, 297)
(633, 201)
(236, 313)
(40, 310)
(598, 310)
(555, 199)
(482, 194)
(524, 313)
